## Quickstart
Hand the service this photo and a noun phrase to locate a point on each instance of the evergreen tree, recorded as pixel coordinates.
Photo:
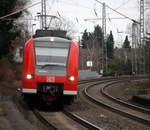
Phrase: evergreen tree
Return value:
(110, 46)
(85, 38)
(88, 39)
(126, 43)
(98, 36)
(92, 41)
(128, 64)
(8, 30)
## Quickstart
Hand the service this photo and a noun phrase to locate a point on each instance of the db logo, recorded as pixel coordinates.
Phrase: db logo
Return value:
(50, 79)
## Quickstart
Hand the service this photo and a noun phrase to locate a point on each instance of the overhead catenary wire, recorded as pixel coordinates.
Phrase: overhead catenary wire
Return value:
(106, 18)
(50, 5)
(123, 4)
(117, 12)
(75, 5)
(23, 19)
(18, 11)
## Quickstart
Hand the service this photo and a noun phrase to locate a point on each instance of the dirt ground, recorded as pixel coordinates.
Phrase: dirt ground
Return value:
(126, 90)
(10, 79)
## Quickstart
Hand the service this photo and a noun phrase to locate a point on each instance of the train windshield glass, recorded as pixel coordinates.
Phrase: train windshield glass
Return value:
(46, 56)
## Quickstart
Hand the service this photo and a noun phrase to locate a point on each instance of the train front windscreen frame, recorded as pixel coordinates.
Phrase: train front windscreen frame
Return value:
(51, 58)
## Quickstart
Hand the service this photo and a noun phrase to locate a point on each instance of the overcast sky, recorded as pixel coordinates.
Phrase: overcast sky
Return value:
(83, 9)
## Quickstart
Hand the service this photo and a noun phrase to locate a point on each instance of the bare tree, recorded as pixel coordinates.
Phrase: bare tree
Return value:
(91, 53)
(64, 24)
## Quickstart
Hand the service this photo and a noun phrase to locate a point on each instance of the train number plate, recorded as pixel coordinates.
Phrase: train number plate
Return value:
(50, 79)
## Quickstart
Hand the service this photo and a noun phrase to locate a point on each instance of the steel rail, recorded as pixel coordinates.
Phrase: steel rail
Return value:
(43, 120)
(112, 108)
(72, 116)
(141, 109)
(82, 121)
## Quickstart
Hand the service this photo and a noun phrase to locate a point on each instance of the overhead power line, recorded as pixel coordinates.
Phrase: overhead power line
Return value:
(75, 5)
(118, 12)
(25, 19)
(106, 18)
(18, 11)
(123, 4)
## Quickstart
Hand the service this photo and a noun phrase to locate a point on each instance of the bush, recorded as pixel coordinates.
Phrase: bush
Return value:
(147, 54)
(6, 71)
(10, 77)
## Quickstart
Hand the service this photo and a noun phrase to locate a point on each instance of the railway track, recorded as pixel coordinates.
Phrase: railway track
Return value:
(58, 120)
(127, 104)
(54, 120)
(107, 101)
(64, 120)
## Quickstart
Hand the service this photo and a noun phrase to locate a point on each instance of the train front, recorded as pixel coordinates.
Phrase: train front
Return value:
(50, 69)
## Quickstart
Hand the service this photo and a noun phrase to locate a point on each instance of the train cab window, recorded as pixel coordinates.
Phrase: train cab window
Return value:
(51, 56)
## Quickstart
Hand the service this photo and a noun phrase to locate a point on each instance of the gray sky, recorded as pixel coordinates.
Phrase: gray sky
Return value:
(83, 9)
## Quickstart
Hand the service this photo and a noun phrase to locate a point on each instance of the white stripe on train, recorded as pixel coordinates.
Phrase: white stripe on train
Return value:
(70, 92)
(25, 90)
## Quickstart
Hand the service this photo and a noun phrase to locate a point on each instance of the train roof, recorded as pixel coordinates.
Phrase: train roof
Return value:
(47, 39)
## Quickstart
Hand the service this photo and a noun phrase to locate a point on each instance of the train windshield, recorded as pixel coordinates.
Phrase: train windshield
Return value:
(46, 56)
(51, 57)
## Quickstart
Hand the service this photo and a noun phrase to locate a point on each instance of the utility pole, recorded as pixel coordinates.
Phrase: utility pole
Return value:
(142, 57)
(104, 46)
(43, 15)
(45, 20)
(134, 47)
(103, 54)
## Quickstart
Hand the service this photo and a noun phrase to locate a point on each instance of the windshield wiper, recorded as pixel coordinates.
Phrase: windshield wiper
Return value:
(51, 65)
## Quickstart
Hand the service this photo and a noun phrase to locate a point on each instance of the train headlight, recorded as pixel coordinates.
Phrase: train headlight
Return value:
(29, 76)
(71, 78)
(52, 39)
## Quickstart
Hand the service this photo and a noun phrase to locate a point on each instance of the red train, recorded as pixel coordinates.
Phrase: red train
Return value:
(50, 70)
